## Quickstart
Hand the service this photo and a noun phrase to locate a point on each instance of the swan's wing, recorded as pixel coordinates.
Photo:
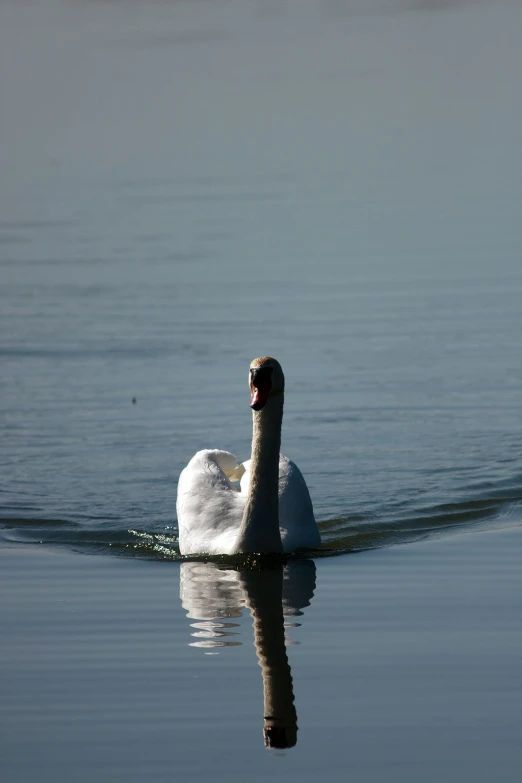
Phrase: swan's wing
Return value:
(208, 506)
(296, 514)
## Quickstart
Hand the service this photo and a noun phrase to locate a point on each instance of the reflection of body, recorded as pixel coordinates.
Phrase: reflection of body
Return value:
(212, 593)
(262, 505)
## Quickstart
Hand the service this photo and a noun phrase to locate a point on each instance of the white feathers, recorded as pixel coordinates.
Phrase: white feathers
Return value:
(210, 507)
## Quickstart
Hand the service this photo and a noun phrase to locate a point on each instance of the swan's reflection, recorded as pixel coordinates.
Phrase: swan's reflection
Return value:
(212, 595)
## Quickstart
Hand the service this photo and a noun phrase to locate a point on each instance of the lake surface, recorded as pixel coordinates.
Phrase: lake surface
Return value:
(188, 185)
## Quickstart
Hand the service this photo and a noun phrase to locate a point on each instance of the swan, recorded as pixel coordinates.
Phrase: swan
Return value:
(261, 506)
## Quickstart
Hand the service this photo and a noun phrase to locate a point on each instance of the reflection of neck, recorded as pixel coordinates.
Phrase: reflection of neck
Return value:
(264, 590)
(259, 531)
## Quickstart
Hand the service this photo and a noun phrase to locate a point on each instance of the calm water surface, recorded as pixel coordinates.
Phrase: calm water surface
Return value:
(107, 676)
(188, 185)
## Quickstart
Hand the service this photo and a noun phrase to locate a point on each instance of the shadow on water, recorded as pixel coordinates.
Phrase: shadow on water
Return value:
(214, 595)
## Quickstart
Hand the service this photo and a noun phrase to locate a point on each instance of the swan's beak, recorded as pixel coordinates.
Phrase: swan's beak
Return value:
(258, 399)
(261, 386)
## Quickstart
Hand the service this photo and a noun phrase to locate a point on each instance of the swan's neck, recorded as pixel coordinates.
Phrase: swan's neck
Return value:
(259, 531)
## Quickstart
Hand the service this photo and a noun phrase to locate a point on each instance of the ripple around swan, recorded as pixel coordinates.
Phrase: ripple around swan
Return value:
(494, 505)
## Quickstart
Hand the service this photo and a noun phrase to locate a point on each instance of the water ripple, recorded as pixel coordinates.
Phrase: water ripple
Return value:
(340, 535)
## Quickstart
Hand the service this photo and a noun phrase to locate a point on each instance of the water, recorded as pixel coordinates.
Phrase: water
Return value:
(185, 186)
(405, 665)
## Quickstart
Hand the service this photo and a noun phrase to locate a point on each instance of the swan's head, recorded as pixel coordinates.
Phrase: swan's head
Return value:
(266, 380)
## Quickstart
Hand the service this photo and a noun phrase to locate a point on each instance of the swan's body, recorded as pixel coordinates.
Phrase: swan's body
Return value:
(269, 510)
(210, 506)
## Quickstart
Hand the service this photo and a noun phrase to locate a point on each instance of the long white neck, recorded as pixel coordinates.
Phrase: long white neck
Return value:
(259, 531)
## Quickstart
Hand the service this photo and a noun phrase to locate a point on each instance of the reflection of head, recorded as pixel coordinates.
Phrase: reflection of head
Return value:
(280, 737)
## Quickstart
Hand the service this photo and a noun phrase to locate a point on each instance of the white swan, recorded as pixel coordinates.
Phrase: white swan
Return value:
(270, 509)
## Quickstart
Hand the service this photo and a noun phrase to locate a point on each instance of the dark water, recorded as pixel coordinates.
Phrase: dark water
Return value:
(186, 186)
